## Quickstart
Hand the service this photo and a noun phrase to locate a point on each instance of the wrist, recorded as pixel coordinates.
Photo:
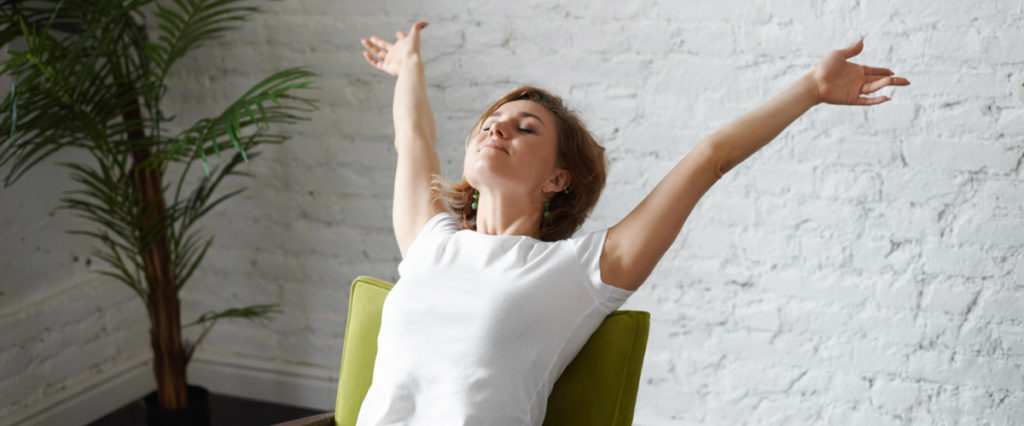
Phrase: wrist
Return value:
(412, 59)
(808, 87)
(411, 64)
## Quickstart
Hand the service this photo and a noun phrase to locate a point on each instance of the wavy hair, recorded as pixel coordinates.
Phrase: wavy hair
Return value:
(578, 152)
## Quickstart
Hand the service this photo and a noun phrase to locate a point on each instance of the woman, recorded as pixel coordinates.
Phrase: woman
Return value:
(495, 298)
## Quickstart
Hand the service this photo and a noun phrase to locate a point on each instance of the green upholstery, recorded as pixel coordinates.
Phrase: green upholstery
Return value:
(598, 387)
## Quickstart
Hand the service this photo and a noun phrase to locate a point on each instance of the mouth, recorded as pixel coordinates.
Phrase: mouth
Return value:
(494, 145)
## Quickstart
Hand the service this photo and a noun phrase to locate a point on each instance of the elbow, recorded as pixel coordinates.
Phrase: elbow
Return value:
(721, 167)
(715, 158)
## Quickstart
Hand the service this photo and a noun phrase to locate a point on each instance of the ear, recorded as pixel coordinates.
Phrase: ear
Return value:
(557, 182)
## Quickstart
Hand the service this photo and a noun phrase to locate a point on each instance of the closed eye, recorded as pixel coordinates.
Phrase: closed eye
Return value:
(521, 129)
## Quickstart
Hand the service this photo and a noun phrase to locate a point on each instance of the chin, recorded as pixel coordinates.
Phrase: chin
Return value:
(483, 173)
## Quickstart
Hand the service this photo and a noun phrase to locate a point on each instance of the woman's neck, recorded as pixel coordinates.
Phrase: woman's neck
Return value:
(505, 214)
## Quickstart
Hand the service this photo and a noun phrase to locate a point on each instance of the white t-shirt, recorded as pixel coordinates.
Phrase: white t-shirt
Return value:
(479, 327)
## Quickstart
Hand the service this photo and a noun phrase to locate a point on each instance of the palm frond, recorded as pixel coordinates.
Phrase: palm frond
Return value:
(66, 90)
(187, 24)
(103, 197)
(122, 272)
(210, 136)
(187, 252)
(39, 13)
(187, 257)
(252, 313)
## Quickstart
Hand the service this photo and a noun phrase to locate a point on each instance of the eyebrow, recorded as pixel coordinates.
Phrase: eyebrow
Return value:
(522, 114)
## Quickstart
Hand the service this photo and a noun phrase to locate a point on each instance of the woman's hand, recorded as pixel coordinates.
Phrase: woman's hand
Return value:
(389, 57)
(841, 82)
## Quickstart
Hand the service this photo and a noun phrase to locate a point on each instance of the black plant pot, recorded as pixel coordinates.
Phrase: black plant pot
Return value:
(197, 413)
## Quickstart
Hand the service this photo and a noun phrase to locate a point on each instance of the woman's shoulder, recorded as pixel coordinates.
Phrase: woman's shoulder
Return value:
(585, 239)
(442, 222)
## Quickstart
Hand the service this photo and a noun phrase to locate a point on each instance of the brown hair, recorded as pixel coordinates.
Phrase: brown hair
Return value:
(578, 153)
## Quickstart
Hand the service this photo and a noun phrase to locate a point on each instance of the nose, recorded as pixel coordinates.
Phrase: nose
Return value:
(496, 129)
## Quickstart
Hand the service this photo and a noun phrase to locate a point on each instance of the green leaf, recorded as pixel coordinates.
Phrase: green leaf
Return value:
(263, 115)
(248, 110)
(186, 25)
(234, 132)
(216, 146)
(14, 108)
(192, 260)
(206, 168)
(53, 15)
(252, 313)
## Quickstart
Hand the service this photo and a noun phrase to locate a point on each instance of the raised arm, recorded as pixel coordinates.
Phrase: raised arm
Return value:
(635, 245)
(415, 136)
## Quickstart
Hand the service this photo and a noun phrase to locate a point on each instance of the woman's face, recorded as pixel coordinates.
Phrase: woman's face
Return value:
(516, 149)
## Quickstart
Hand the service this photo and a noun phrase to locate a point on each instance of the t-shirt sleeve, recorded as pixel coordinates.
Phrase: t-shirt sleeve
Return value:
(438, 227)
(588, 249)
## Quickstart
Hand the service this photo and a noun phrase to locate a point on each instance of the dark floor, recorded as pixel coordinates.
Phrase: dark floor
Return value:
(224, 411)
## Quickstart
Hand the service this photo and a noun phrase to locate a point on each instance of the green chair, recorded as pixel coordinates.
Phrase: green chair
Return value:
(598, 387)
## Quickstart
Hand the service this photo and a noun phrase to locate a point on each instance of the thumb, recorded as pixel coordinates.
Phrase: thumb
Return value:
(415, 30)
(853, 50)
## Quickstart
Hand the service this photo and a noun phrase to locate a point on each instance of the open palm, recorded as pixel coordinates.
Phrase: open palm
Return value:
(842, 83)
(388, 57)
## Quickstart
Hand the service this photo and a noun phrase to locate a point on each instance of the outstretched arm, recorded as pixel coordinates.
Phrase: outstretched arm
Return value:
(415, 136)
(635, 245)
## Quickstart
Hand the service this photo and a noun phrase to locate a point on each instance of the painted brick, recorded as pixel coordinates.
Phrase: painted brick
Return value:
(894, 397)
(970, 262)
(931, 154)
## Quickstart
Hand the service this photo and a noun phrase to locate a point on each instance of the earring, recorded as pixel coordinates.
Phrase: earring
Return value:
(547, 210)
(475, 197)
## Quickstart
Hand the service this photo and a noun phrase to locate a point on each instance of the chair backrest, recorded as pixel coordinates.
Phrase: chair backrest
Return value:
(598, 387)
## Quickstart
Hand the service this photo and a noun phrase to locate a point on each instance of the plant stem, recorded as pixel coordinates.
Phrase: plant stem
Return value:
(162, 294)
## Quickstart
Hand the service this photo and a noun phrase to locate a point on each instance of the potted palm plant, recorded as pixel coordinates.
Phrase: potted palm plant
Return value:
(91, 75)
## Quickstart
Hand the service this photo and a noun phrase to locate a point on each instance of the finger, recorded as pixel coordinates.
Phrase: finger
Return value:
(373, 61)
(896, 81)
(383, 44)
(872, 86)
(417, 27)
(853, 50)
(400, 34)
(872, 101)
(871, 71)
(875, 85)
(371, 47)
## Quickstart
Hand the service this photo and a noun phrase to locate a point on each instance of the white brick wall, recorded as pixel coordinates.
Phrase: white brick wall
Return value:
(865, 268)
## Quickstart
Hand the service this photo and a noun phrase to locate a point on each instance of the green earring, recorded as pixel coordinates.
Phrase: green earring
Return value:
(547, 211)
(475, 197)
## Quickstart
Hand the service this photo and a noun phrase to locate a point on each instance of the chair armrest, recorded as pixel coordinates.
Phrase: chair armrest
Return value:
(324, 419)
